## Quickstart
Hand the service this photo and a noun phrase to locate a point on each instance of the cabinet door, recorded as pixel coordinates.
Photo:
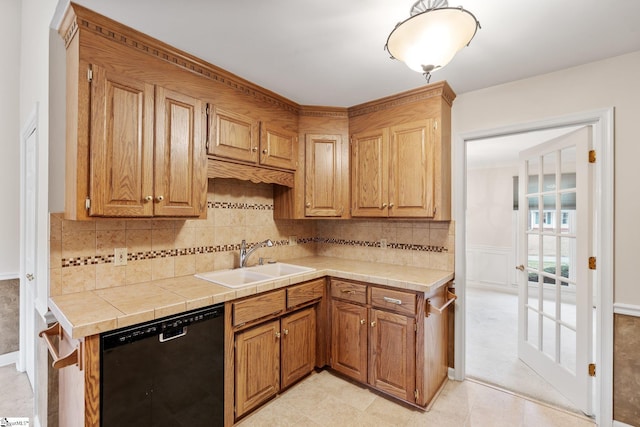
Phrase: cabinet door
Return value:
(392, 354)
(233, 135)
(298, 357)
(323, 175)
(121, 145)
(411, 176)
(180, 156)
(278, 147)
(257, 366)
(349, 339)
(370, 173)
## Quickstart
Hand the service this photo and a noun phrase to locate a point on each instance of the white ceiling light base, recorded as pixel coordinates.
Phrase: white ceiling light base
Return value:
(431, 36)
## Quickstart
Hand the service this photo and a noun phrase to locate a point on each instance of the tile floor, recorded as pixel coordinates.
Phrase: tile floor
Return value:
(326, 400)
(323, 399)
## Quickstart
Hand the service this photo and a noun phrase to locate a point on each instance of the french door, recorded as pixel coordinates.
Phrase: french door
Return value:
(555, 308)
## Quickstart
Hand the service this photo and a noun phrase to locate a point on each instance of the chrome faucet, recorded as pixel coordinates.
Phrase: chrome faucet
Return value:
(244, 253)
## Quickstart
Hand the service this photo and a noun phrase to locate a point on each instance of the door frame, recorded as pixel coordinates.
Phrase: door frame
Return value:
(602, 121)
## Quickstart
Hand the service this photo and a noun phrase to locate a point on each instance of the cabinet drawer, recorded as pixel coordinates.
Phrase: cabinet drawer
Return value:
(398, 301)
(305, 292)
(349, 291)
(257, 307)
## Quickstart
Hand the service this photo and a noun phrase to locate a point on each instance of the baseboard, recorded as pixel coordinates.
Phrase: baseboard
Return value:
(620, 424)
(628, 309)
(9, 276)
(9, 358)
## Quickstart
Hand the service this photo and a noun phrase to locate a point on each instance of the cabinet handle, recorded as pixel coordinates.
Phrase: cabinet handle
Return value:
(392, 300)
(254, 149)
(308, 204)
(286, 331)
(160, 198)
(348, 291)
(265, 151)
(148, 198)
(373, 324)
(277, 334)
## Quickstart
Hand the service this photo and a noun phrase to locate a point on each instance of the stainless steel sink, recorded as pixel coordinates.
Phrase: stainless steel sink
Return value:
(239, 277)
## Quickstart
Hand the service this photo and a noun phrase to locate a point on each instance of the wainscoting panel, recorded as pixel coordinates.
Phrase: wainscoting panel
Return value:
(491, 266)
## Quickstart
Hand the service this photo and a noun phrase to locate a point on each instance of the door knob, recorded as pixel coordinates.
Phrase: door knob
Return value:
(520, 267)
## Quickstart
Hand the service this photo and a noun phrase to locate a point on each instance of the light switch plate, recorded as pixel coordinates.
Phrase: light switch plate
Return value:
(120, 256)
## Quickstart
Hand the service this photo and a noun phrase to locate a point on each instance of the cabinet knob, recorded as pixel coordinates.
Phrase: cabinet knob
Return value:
(384, 205)
(362, 321)
(373, 323)
(148, 198)
(254, 149)
(265, 151)
(160, 198)
(285, 331)
(308, 204)
(390, 205)
(277, 334)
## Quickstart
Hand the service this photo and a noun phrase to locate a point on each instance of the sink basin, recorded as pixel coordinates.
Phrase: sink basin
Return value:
(280, 269)
(235, 278)
(240, 277)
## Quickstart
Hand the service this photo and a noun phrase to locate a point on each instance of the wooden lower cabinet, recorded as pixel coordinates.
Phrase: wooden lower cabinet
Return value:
(257, 366)
(392, 353)
(349, 339)
(272, 356)
(387, 339)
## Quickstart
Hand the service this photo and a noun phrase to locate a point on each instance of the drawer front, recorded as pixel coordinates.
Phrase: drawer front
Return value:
(398, 301)
(349, 291)
(257, 307)
(305, 292)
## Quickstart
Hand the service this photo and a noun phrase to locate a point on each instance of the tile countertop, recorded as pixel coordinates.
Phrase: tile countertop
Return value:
(92, 312)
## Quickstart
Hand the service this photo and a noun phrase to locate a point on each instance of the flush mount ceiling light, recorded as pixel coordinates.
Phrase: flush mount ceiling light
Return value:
(431, 36)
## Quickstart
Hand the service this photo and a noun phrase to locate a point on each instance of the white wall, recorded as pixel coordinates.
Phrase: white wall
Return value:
(610, 83)
(9, 138)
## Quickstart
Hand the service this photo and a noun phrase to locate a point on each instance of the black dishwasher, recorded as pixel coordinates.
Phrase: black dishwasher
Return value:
(167, 372)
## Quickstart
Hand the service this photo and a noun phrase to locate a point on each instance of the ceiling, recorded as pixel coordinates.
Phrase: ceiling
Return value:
(330, 52)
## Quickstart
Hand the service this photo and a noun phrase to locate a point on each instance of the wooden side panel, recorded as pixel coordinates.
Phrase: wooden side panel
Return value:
(323, 168)
(91, 365)
(278, 147)
(259, 306)
(180, 183)
(411, 176)
(298, 345)
(257, 366)
(349, 340)
(369, 173)
(392, 359)
(121, 171)
(229, 366)
(233, 135)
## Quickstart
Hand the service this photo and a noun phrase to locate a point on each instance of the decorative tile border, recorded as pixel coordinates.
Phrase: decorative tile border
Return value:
(246, 206)
(169, 253)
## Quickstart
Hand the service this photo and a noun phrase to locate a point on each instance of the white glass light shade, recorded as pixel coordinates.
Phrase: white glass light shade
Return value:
(429, 40)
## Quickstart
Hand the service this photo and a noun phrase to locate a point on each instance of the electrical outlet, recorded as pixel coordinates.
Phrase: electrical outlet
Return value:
(293, 240)
(120, 256)
(383, 243)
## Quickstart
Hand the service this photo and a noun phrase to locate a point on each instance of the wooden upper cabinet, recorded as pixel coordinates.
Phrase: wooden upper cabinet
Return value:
(180, 161)
(393, 171)
(233, 135)
(278, 147)
(121, 141)
(323, 171)
(411, 170)
(147, 153)
(370, 173)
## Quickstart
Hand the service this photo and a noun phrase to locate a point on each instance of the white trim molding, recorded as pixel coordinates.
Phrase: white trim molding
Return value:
(620, 424)
(628, 309)
(9, 358)
(9, 276)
